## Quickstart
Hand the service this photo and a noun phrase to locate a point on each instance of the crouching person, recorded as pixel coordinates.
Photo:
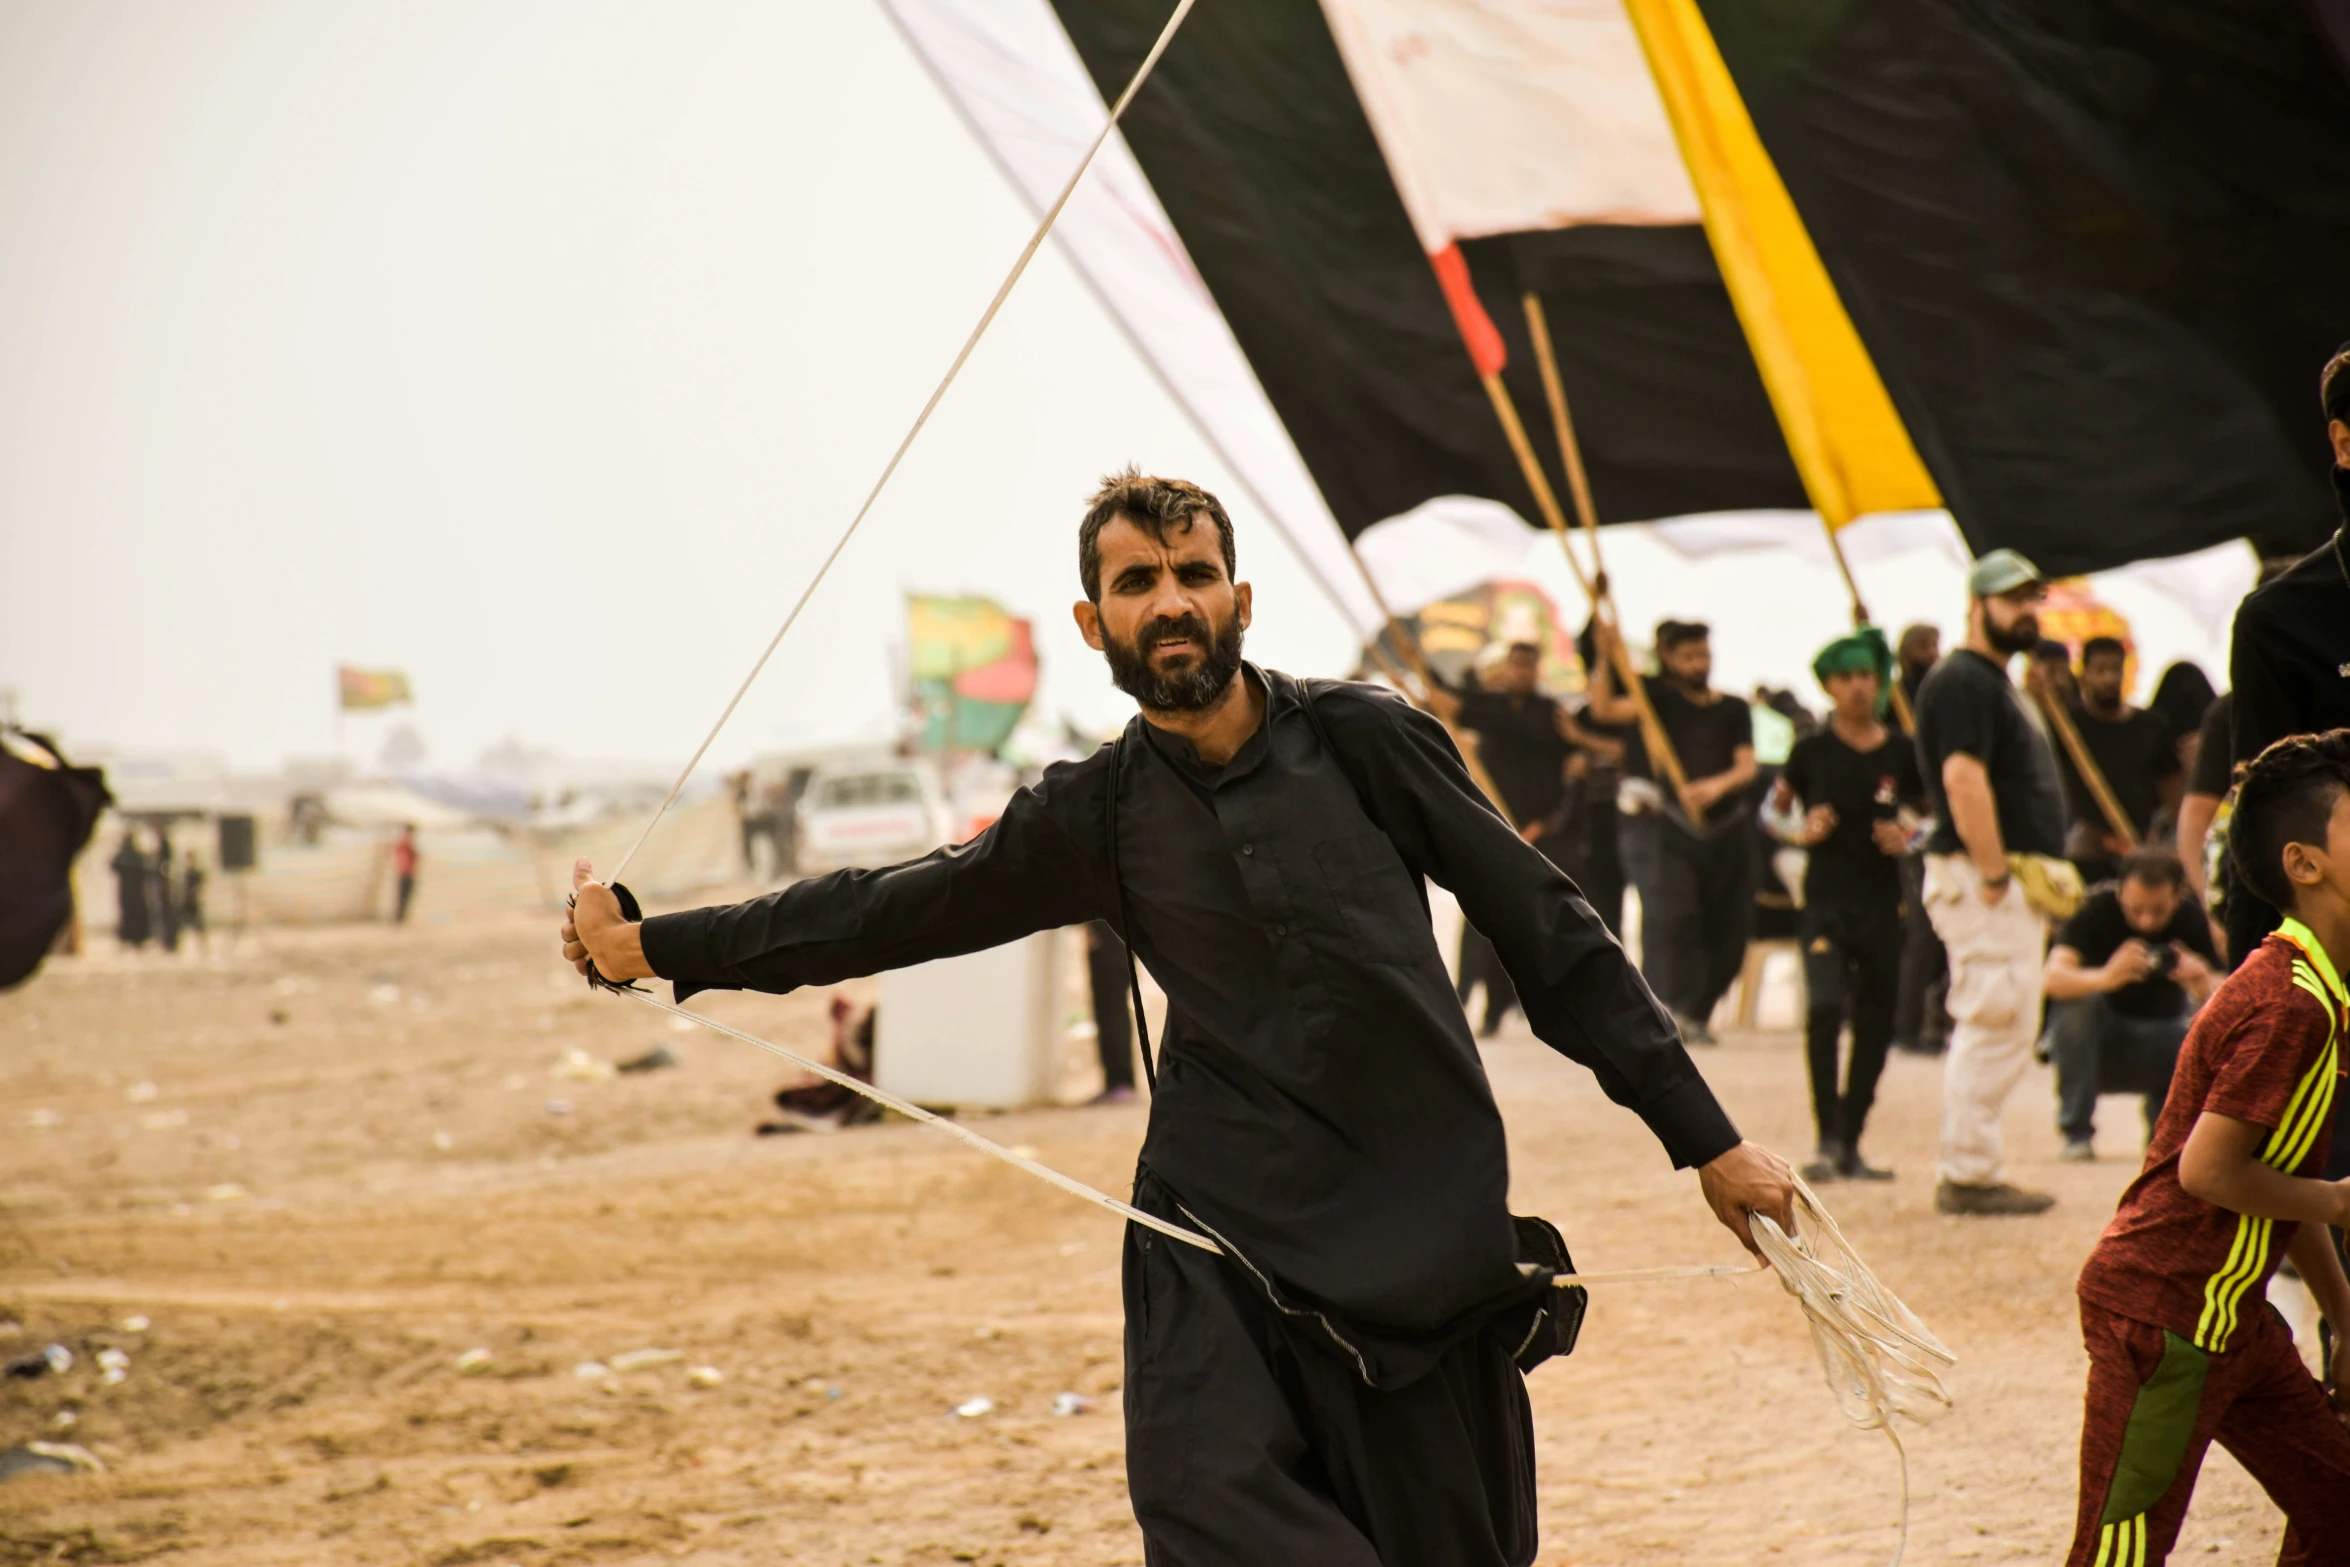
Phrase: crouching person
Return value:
(2123, 981)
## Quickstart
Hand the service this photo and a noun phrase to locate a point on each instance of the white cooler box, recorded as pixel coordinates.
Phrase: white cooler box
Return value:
(981, 1030)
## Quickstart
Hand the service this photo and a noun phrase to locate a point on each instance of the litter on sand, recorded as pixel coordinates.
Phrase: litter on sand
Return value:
(473, 1362)
(653, 1060)
(705, 1376)
(1072, 1404)
(56, 1360)
(113, 1366)
(639, 1359)
(973, 1408)
(47, 1458)
(578, 1066)
(589, 1370)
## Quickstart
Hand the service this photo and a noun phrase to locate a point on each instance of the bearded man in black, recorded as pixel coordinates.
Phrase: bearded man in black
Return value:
(1342, 1384)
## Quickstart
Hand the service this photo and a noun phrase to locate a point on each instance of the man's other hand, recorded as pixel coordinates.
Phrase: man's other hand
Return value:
(594, 930)
(1890, 838)
(1749, 1179)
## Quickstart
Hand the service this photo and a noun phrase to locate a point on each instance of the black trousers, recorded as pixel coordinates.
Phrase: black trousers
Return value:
(1852, 973)
(1920, 1019)
(1694, 930)
(1249, 1446)
(1113, 1016)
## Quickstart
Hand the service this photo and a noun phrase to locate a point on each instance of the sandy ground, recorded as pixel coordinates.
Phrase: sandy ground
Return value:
(325, 1168)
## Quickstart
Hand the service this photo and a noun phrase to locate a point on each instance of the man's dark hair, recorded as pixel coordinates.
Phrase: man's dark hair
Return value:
(1534, 649)
(2333, 385)
(2152, 868)
(2050, 651)
(1671, 634)
(1157, 507)
(2096, 645)
(2286, 796)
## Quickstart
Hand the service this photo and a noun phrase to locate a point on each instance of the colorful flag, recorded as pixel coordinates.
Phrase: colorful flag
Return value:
(365, 689)
(973, 668)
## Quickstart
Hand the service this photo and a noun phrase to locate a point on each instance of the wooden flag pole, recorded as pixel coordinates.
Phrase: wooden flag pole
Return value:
(1652, 729)
(2083, 763)
(1417, 657)
(1579, 483)
(1860, 617)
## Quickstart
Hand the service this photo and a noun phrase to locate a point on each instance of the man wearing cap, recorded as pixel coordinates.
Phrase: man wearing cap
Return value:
(1993, 785)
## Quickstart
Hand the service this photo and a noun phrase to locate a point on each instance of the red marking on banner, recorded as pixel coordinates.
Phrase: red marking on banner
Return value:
(1478, 333)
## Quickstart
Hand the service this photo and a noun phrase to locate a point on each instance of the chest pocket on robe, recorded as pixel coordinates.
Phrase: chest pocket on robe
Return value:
(1378, 905)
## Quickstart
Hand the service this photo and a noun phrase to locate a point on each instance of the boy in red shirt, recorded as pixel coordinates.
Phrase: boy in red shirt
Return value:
(2183, 1347)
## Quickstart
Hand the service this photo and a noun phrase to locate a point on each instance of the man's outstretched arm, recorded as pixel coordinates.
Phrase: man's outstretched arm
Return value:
(1026, 873)
(1582, 995)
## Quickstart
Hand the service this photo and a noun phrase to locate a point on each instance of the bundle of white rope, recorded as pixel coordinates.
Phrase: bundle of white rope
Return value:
(1882, 1363)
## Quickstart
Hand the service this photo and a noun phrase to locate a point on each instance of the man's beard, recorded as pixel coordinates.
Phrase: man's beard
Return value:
(1196, 684)
(2021, 636)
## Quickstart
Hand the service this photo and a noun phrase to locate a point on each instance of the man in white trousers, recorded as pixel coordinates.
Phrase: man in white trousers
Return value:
(1998, 807)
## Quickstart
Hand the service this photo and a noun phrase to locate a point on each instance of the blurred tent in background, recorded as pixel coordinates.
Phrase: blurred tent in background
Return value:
(1330, 212)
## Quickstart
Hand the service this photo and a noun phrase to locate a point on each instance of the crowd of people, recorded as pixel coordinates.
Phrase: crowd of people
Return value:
(1990, 873)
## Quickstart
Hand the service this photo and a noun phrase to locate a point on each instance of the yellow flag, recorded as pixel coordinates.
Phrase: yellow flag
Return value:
(1848, 443)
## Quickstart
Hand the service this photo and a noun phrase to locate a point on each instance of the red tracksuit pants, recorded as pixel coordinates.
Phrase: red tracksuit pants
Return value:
(2156, 1402)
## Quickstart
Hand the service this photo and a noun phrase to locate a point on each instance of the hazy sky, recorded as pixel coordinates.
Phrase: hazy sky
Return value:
(538, 350)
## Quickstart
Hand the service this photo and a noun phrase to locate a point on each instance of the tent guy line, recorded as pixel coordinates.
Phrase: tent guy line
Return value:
(987, 317)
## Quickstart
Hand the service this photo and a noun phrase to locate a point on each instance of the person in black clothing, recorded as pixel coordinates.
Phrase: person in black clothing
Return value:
(1341, 1385)
(1113, 1025)
(2289, 660)
(1594, 823)
(1522, 740)
(1919, 650)
(2132, 746)
(1920, 1025)
(2182, 697)
(1696, 852)
(2124, 979)
(2208, 780)
(160, 892)
(134, 919)
(1856, 780)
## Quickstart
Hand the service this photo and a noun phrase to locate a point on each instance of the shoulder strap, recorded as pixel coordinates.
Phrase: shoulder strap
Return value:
(1142, 1026)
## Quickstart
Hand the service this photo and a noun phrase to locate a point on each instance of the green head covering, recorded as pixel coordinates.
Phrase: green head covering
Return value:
(1862, 649)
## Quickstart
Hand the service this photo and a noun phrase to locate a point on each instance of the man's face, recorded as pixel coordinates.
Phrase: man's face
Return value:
(2338, 431)
(2011, 620)
(1690, 662)
(1922, 651)
(2148, 905)
(1854, 691)
(1170, 617)
(2101, 680)
(1518, 671)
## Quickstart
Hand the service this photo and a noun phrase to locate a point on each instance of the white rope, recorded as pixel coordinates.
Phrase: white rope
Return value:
(956, 1129)
(1071, 1184)
(1881, 1361)
(1027, 254)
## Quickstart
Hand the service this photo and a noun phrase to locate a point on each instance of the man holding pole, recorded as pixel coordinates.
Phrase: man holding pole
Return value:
(2134, 750)
(1993, 785)
(1695, 870)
